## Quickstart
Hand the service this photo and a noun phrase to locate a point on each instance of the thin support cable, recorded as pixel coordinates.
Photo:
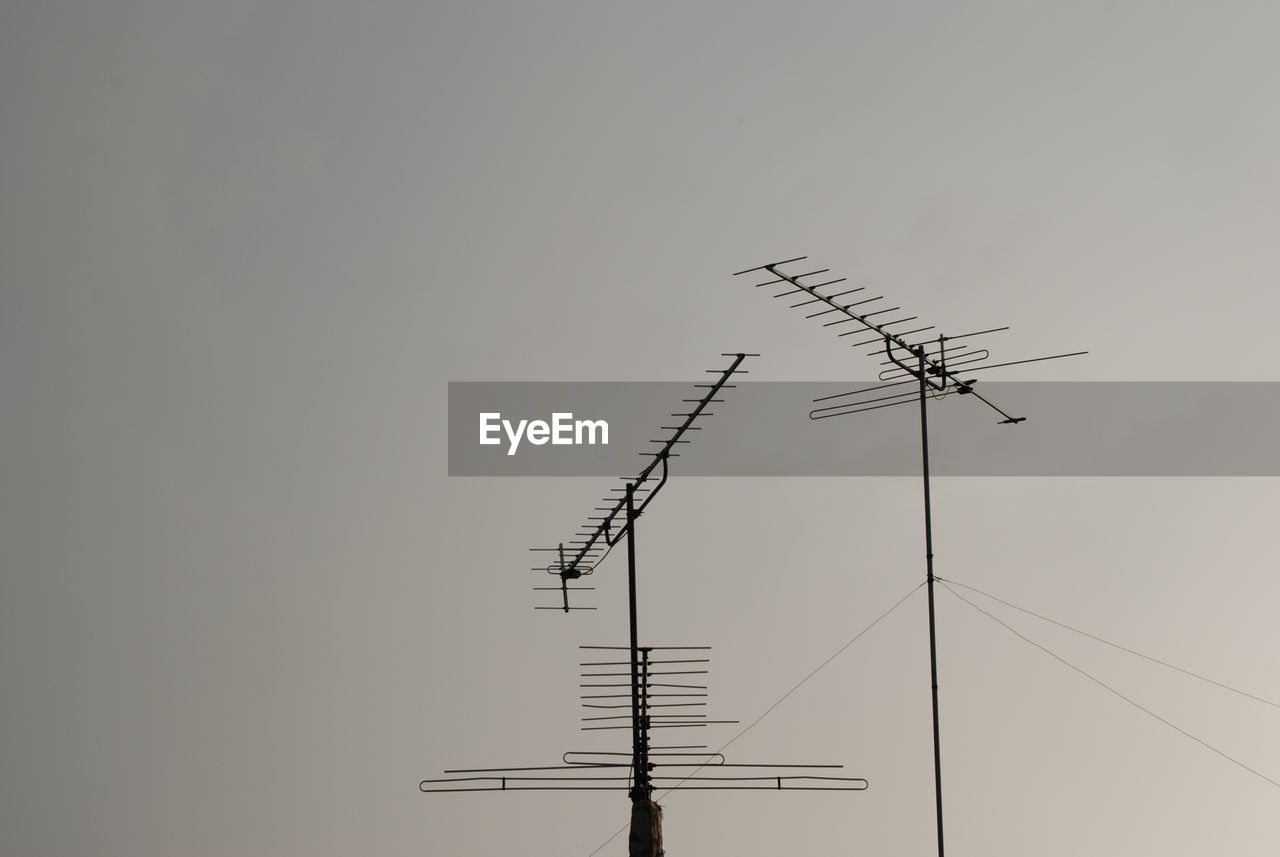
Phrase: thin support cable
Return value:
(1112, 690)
(1114, 645)
(770, 709)
(838, 652)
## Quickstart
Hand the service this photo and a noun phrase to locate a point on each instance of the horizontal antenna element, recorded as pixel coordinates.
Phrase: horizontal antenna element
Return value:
(692, 767)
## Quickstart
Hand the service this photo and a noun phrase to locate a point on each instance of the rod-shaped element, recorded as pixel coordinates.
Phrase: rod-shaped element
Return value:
(516, 784)
(928, 561)
(639, 717)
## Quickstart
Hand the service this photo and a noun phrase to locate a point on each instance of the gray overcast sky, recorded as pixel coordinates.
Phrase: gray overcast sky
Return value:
(245, 245)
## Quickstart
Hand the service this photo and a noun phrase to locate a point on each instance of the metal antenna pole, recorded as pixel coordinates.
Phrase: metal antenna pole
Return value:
(639, 726)
(928, 558)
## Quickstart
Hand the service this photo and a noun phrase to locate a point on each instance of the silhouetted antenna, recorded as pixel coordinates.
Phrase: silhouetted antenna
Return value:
(650, 684)
(579, 556)
(665, 673)
(940, 364)
(917, 368)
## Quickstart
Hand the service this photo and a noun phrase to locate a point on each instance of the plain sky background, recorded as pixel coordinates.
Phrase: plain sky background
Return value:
(245, 245)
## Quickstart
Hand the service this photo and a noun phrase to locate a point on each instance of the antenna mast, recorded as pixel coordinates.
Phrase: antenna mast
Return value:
(927, 368)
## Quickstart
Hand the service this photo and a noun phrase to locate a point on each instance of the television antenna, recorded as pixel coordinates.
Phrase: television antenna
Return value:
(652, 681)
(927, 367)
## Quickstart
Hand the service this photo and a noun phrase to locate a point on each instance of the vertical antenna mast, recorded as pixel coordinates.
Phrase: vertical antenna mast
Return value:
(639, 720)
(927, 368)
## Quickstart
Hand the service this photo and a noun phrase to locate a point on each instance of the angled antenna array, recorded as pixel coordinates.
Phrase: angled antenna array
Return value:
(592, 542)
(940, 365)
(917, 369)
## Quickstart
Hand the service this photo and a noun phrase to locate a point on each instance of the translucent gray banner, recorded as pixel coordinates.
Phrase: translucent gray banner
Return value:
(765, 429)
